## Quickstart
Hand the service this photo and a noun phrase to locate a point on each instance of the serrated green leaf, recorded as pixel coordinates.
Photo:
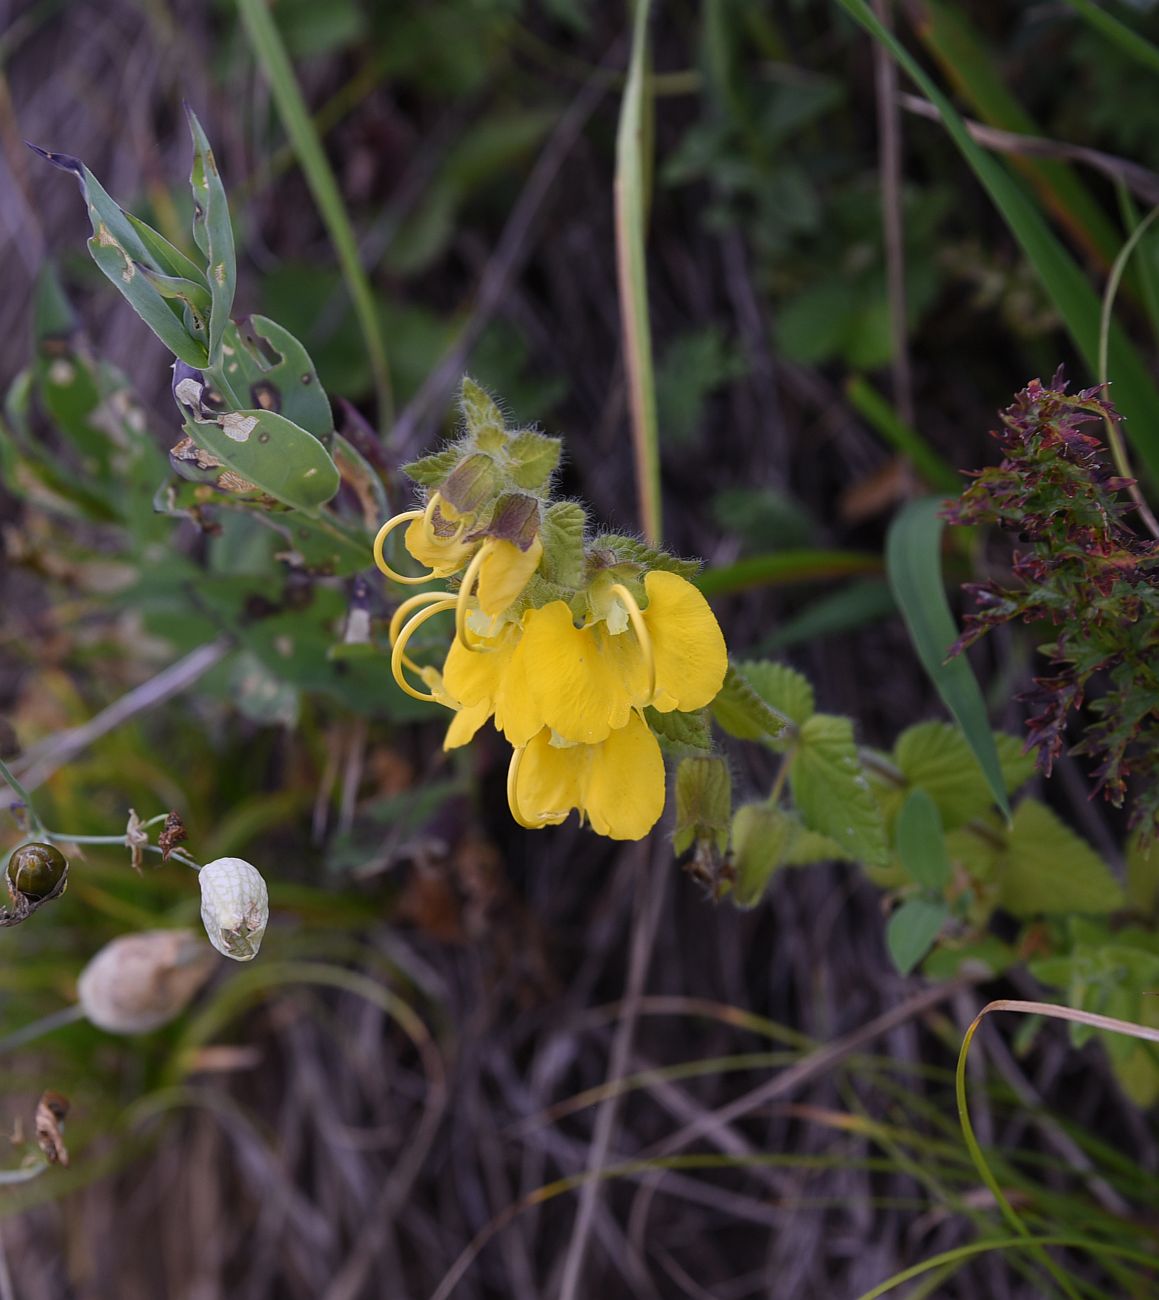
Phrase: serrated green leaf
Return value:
(788, 691)
(213, 231)
(914, 566)
(274, 454)
(1142, 874)
(761, 834)
(740, 711)
(936, 757)
(912, 930)
(703, 803)
(1048, 869)
(680, 732)
(807, 847)
(534, 459)
(830, 789)
(630, 550)
(430, 471)
(562, 533)
(117, 249)
(921, 844)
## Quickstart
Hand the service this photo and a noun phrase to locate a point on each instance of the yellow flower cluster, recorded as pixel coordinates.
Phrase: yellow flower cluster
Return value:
(566, 681)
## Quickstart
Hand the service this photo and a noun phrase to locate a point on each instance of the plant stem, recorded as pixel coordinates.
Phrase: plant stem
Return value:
(36, 825)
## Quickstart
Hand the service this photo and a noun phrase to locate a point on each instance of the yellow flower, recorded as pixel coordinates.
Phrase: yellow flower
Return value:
(583, 682)
(435, 537)
(618, 784)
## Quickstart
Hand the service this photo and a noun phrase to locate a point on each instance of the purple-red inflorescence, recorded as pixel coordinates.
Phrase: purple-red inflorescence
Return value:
(1086, 571)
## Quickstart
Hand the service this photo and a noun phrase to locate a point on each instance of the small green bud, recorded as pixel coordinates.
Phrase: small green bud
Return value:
(37, 872)
(761, 835)
(473, 484)
(703, 804)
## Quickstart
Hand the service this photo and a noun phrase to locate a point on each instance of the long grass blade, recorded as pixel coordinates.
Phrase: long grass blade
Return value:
(267, 46)
(1128, 40)
(631, 210)
(1063, 280)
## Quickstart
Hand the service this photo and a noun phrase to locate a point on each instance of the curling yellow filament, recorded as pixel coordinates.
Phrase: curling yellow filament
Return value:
(404, 611)
(383, 533)
(641, 629)
(398, 655)
(465, 595)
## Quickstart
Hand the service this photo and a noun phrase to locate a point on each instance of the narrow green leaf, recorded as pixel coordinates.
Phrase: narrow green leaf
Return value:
(165, 257)
(271, 54)
(117, 249)
(786, 567)
(213, 231)
(913, 564)
(831, 792)
(1135, 393)
(912, 930)
(870, 404)
(921, 843)
(1126, 38)
(274, 454)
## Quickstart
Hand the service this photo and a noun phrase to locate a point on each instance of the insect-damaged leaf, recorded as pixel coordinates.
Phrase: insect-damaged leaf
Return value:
(118, 249)
(214, 234)
(273, 453)
(266, 364)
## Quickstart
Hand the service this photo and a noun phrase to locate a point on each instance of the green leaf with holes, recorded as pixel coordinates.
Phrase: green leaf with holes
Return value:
(213, 231)
(274, 454)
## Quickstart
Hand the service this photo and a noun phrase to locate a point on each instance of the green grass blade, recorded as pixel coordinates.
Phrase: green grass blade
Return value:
(1076, 301)
(1128, 40)
(972, 69)
(786, 567)
(299, 127)
(631, 209)
(913, 563)
(872, 407)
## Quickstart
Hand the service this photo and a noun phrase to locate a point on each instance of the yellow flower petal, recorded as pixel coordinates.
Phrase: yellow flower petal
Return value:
(444, 555)
(504, 572)
(687, 644)
(477, 676)
(576, 684)
(548, 784)
(464, 724)
(623, 794)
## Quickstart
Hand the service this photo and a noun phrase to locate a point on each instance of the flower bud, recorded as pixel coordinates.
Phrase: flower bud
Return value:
(142, 981)
(235, 907)
(37, 872)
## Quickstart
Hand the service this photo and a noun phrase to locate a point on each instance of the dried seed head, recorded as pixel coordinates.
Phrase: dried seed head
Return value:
(142, 981)
(235, 907)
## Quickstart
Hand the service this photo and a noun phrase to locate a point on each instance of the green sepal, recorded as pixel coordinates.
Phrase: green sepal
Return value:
(562, 531)
(430, 471)
(630, 550)
(703, 804)
(680, 733)
(534, 458)
(481, 414)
